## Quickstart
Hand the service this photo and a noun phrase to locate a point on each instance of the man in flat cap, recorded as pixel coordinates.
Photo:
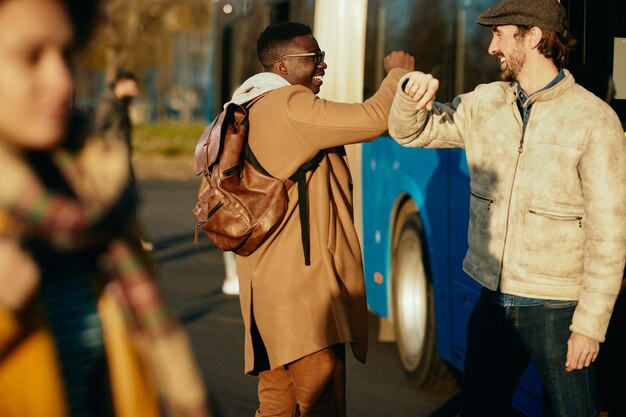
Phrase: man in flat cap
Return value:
(547, 229)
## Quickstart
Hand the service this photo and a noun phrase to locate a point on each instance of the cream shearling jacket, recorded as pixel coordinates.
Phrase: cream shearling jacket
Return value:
(548, 204)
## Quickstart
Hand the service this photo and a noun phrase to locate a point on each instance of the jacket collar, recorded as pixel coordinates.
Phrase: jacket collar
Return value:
(543, 95)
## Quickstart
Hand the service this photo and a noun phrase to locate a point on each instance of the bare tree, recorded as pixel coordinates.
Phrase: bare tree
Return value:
(124, 23)
(129, 25)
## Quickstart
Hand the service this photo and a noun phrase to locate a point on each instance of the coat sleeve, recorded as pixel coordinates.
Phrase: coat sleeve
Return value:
(442, 127)
(602, 171)
(325, 124)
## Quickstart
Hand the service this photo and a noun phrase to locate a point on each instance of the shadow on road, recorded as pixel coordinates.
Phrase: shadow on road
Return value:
(179, 246)
(203, 305)
(184, 253)
(169, 241)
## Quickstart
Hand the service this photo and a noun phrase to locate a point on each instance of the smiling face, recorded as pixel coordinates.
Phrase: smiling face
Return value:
(510, 51)
(35, 80)
(302, 70)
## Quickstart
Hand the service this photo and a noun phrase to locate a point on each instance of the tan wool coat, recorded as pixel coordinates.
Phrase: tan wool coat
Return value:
(291, 310)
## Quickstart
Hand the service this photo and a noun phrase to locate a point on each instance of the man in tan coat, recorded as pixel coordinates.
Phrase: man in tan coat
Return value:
(299, 316)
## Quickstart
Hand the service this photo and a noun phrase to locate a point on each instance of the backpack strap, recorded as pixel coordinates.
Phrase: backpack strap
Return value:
(252, 102)
(300, 177)
(246, 108)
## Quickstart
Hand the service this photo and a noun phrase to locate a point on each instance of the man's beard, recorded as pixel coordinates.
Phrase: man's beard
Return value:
(514, 64)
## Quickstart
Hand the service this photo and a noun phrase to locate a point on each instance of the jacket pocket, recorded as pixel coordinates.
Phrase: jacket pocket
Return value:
(554, 240)
(482, 200)
(479, 231)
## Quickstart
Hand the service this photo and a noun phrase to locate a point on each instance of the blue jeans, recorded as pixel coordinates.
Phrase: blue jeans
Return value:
(500, 343)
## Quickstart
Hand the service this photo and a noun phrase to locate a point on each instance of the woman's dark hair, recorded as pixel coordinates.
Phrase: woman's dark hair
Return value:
(552, 45)
(276, 38)
(83, 15)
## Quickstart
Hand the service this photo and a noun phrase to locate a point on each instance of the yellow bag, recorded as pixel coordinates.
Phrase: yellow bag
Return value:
(30, 378)
(132, 387)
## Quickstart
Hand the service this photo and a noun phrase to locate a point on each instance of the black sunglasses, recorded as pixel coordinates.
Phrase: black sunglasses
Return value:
(319, 56)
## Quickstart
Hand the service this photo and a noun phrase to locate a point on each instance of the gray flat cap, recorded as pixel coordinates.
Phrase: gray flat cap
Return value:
(545, 14)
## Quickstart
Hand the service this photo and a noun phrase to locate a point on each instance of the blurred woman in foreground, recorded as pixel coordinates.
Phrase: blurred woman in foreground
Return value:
(83, 328)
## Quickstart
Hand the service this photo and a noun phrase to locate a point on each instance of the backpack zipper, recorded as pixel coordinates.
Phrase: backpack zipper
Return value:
(230, 171)
(201, 223)
(196, 234)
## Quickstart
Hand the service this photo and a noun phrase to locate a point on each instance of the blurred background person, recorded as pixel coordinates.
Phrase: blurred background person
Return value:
(112, 119)
(84, 331)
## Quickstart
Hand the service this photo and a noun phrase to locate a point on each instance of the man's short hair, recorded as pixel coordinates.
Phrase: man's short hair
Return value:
(276, 38)
(553, 45)
(123, 75)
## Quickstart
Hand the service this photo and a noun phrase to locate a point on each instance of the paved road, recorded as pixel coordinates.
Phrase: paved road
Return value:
(192, 276)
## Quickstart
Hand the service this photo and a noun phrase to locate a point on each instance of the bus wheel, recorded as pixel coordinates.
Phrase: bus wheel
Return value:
(414, 310)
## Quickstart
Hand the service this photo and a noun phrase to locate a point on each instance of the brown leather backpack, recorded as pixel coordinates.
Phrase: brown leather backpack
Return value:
(239, 204)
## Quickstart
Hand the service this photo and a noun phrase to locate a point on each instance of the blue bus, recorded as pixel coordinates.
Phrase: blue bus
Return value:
(412, 205)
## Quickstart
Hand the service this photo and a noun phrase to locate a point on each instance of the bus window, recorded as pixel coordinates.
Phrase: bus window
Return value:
(597, 28)
(474, 65)
(443, 36)
(422, 28)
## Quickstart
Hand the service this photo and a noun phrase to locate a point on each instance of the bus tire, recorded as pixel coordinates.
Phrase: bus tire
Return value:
(414, 308)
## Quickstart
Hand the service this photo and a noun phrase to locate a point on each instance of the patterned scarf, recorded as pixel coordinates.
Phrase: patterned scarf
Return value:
(94, 216)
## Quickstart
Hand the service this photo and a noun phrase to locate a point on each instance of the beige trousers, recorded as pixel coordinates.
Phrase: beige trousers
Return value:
(313, 386)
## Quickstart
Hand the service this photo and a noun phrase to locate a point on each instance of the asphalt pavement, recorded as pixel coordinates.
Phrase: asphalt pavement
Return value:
(191, 277)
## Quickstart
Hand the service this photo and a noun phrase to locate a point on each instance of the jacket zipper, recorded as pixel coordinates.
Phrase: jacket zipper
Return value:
(520, 151)
(489, 201)
(559, 217)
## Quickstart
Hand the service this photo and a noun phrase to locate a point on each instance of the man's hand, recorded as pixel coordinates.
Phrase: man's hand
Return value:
(19, 275)
(582, 351)
(399, 59)
(422, 89)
